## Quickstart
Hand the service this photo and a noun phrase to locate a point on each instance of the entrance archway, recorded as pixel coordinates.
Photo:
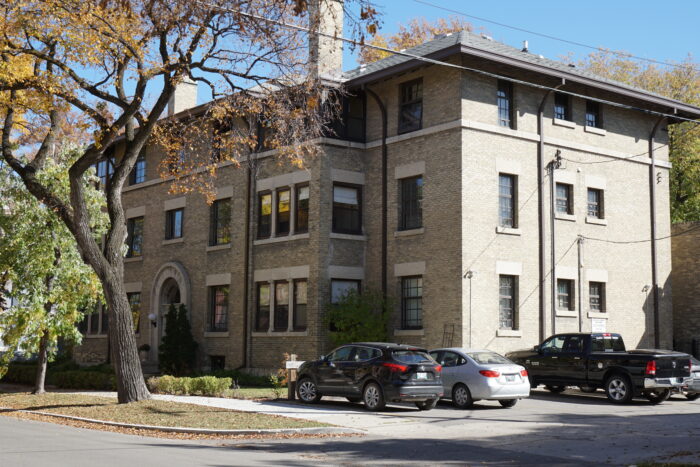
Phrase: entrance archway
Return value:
(171, 286)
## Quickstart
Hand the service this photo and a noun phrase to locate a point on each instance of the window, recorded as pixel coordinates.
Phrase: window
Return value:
(135, 306)
(596, 296)
(95, 322)
(281, 316)
(342, 287)
(218, 308)
(173, 223)
(350, 123)
(341, 355)
(262, 312)
(283, 211)
(573, 344)
(220, 222)
(564, 198)
(347, 210)
(264, 215)
(504, 99)
(593, 115)
(299, 318)
(138, 173)
(105, 170)
(411, 206)
(134, 237)
(217, 362)
(565, 294)
(507, 302)
(410, 106)
(562, 107)
(595, 203)
(301, 220)
(553, 345)
(412, 302)
(507, 189)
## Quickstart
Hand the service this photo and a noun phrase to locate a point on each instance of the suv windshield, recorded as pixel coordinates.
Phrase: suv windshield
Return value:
(412, 356)
(488, 357)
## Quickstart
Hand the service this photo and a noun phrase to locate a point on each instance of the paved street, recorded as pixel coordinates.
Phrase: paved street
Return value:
(568, 429)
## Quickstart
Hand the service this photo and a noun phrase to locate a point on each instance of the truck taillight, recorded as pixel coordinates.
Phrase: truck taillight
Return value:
(490, 373)
(651, 368)
(523, 373)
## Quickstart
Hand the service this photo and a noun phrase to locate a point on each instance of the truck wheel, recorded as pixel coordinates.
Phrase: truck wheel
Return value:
(618, 388)
(555, 389)
(461, 397)
(692, 397)
(658, 396)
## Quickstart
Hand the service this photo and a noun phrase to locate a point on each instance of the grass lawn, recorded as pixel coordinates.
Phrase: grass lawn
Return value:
(255, 393)
(151, 412)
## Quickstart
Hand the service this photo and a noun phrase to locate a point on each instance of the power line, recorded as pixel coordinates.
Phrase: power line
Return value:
(547, 36)
(630, 242)
(450, 65)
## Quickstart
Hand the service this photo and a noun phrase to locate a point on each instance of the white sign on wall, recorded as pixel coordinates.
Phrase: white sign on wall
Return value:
(598, 325)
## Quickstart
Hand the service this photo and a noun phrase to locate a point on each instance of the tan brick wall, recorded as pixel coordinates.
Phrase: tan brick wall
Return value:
(686, 285)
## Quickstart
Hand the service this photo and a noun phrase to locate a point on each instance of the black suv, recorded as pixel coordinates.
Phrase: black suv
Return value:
(373, 372)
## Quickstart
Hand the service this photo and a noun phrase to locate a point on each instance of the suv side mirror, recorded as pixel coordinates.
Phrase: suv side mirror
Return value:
(323, 358)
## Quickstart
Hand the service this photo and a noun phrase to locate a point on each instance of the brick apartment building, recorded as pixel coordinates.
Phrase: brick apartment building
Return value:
(685, 277)
(475, 239)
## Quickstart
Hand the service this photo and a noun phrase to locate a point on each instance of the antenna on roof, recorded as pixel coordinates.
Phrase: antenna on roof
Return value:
(525, 49)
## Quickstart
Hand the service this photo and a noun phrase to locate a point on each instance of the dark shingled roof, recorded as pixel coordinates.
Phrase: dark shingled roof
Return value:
(483, 45)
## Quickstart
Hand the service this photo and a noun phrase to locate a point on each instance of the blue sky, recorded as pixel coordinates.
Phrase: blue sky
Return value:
(660, 30)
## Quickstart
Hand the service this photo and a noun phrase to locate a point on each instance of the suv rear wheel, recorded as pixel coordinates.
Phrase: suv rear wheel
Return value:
(373, 397)
(308, 391)
(618, 388)
(427, 405)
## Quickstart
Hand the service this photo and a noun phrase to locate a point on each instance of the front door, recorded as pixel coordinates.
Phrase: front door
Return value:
(545, 363)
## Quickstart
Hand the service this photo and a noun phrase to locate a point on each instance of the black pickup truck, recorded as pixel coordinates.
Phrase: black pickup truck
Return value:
(599, 360)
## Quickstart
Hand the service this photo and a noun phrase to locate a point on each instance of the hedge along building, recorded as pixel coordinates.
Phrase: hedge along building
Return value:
(457, 188)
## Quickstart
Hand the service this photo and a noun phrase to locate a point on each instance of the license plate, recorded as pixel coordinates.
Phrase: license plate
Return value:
(510, 378)
(421, 375)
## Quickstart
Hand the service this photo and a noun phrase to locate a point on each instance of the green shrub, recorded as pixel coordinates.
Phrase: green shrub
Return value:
(81, 379)
(359, 317)
(20, 373)
(201, 386)
(244, 379)
(67, 375)
(177, 351)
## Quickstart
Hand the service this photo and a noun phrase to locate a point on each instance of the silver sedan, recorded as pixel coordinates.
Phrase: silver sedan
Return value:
(469, 375)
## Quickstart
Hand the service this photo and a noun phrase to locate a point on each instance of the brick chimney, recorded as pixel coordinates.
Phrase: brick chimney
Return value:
(184, 97)
(326, 53)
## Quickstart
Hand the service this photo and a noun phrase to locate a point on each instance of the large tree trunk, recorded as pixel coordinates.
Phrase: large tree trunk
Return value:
(42, 361)
(131, 386)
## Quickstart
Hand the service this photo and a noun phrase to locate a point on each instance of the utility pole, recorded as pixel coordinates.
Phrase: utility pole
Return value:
(580, 283)
(552, 166)
(469, 275)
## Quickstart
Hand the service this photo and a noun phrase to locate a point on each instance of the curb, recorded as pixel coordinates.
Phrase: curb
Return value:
(201, 431)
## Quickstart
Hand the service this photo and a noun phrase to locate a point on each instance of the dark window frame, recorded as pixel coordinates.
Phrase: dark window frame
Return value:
(131, 224)
(282, 325)
(296, 326)
(595, 209)
(512, 198)
(279, 230)
(512, 298)
(336, 229)
(404, 125)
(298, 210)
(570, 295)
(138, 172)
(262, 321)
(219, 230)
(411, 203)
(562, 107)
(264, 234)
(594, 114)
(600, 307)
(171, 224)
(340, 279)
(216, 309)
(505, 104)
(567, 202)
(130, 296)
(406, 321)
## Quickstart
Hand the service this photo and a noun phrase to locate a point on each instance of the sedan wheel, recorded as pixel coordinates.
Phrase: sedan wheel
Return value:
(373, 397)
(618, 389)
(461, 397)
(307, 391)
(658, 396)
(508, 403)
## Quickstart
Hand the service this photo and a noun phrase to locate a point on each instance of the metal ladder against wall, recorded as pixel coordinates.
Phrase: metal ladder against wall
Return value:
(448, 335)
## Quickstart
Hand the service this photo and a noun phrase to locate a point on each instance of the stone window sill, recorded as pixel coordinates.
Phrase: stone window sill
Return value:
(565, 217)
(564, 123)
(567, 313)
(595, 131)
(280, 334)
(342, 236)
(173, 241)
(508, 230)
(409, 233)
(595, 314)
(226, 246)
(409, 332)
(509, 333)
(133, 259)
(285, 238)
(596, 221)
(216, 334)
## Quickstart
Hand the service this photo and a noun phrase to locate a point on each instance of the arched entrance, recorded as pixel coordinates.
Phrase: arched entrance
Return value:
(171, 286)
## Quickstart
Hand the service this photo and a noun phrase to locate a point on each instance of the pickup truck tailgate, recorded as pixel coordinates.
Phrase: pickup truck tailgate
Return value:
(669, 364)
